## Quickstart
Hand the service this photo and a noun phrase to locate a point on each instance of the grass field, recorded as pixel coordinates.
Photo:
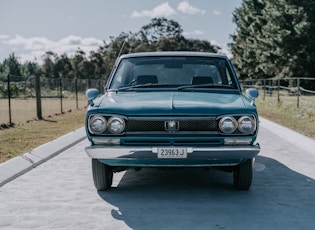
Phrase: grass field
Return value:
(23, 110)
(286, 113)
(26, 136)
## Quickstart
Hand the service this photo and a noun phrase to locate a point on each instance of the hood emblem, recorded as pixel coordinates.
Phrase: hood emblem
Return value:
(171, 126)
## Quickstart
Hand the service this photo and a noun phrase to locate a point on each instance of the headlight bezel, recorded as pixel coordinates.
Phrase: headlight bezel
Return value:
(91, 121)
(239, 118)
(252, 122)
(113, 119)
(224, 120)
(105, 131)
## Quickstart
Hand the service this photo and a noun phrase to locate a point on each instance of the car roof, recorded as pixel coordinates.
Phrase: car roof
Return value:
(173, 53)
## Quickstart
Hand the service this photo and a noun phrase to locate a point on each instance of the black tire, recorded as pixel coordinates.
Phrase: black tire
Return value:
(243, 174)
(102, 175)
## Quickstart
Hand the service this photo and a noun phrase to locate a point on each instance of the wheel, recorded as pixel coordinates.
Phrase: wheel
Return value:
(242, 175)
(102, 175)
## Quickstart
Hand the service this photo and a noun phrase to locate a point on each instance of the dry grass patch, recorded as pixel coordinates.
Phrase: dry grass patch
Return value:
(26, 136)
(285, 112)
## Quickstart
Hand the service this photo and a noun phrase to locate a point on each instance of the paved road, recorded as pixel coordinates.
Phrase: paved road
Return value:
(59, 194)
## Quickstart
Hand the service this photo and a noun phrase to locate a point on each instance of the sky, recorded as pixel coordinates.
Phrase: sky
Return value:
(29, 28)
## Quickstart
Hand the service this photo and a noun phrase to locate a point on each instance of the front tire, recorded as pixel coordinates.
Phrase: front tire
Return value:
(102, 175)
(243, 174)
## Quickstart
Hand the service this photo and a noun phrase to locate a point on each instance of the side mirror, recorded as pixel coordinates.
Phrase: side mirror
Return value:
(252, 94)
(91, 94)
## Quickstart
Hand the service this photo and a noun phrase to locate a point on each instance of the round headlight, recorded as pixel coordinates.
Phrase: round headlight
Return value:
(97, 124)
(228, 125)
(116, 125)
(246, 125)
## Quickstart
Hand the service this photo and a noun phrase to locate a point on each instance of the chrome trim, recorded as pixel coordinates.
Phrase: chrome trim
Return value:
(147, 153)
(177, 132)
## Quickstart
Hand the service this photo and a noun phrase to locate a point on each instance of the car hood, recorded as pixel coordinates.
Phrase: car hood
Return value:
(171, 103)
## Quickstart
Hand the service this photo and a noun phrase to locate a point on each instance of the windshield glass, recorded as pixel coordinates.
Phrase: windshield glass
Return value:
(170, 72)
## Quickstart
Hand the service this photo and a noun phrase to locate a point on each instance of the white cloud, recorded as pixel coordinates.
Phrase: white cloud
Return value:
(224, 48)
(3, 36)
(186, 8)
(216, 12)
(32, 48)
(195, 32)
(162, 10)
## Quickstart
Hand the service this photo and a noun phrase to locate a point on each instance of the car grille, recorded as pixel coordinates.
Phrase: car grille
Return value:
(191, 125)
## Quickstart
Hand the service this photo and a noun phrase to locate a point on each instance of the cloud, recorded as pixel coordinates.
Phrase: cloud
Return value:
(186, 8)
(3, 36)
(32, 48)
(195, 32)
(224, 48)
(216, 12)
(162, 10)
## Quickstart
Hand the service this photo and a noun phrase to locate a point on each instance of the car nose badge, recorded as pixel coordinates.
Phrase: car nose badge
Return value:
(171, 126)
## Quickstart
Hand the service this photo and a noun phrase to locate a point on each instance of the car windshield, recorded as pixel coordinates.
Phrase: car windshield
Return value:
(182, 73)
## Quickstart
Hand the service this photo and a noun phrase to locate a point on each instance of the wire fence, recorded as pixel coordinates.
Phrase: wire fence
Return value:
(29, 98)
(302, 90)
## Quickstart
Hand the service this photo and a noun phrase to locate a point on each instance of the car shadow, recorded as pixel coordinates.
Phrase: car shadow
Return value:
(193, 198)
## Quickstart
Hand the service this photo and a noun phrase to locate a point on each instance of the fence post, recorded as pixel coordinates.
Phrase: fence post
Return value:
(38, 97)
(60, 92)
(76, 92)
(264, 89)
(278, 89)
(298, 93)
(9, 99)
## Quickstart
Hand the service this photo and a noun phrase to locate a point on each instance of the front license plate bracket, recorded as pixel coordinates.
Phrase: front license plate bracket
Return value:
(171, 153)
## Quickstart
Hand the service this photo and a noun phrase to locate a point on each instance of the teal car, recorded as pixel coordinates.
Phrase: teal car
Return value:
(172, 109)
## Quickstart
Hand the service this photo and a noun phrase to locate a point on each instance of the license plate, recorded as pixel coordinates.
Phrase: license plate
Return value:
(172, 153)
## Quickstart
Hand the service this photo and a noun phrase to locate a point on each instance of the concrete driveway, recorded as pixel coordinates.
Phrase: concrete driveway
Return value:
(59, 194)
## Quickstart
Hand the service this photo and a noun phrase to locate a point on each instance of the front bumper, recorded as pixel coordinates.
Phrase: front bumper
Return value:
(196, 156)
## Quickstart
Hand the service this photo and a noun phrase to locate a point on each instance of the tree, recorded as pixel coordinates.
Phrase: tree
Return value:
(49, 63)
(274, 39)
(30, 68)
(62, 66)
(161, 28)
(11, 65)
(249, 21)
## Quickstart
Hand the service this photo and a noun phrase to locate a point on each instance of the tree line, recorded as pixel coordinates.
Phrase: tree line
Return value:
(160, 34)
(274, 39)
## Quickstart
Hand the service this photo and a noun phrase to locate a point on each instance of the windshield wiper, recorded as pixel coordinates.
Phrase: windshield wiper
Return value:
(203, 86)
(148, 85)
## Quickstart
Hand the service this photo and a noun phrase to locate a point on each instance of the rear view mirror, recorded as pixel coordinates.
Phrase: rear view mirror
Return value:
(252, 94)
(91, 94)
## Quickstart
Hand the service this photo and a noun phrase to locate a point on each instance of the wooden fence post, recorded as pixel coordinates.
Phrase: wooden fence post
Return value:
(298, 93)
(278, 89)
(60, 92)
(76, 92)
(9, 99)
(38, 98)
(264, 89)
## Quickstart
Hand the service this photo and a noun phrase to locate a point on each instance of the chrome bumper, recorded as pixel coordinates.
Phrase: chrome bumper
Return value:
(193, 153)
